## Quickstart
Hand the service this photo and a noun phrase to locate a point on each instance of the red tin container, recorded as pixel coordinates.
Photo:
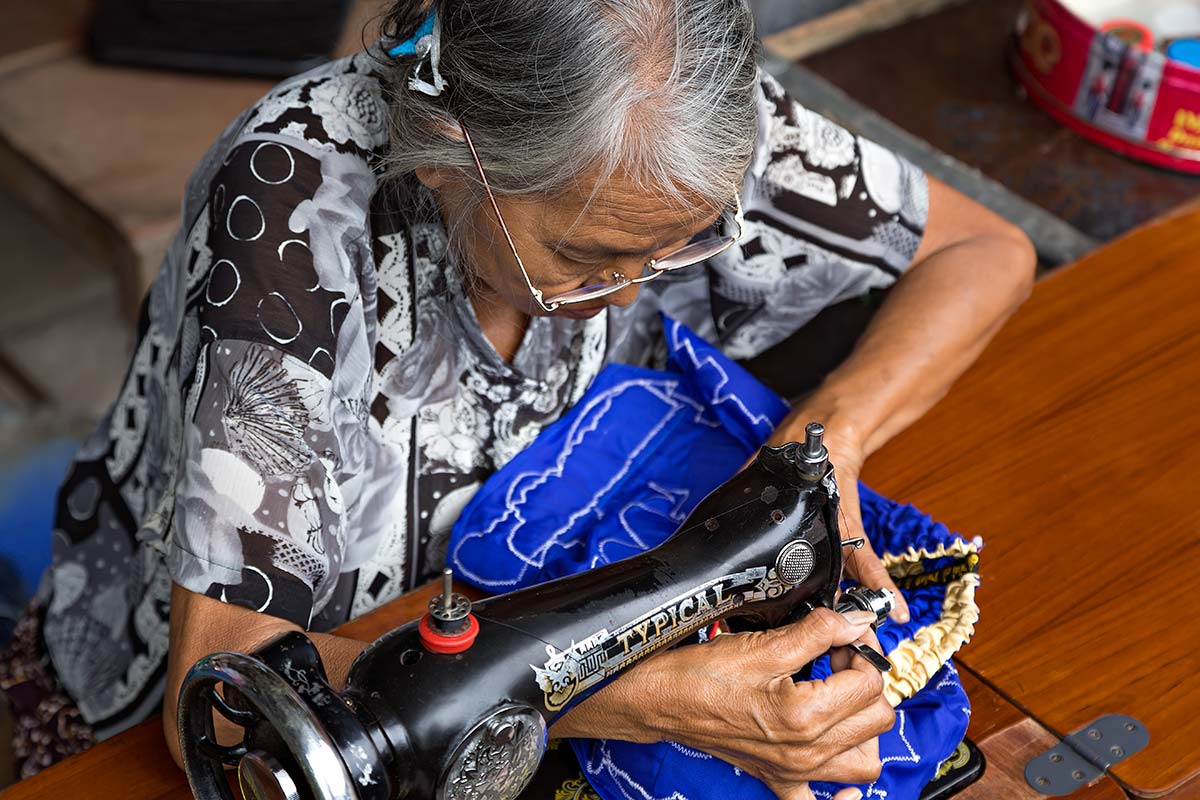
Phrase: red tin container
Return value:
(1127, 98)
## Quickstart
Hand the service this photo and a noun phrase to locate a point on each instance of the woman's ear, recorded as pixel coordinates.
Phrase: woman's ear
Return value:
(432, 178)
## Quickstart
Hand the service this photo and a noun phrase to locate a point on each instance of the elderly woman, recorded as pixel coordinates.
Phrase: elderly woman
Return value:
(395, 270)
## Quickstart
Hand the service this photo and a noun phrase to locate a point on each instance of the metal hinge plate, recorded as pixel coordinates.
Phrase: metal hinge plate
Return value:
(1086, 754)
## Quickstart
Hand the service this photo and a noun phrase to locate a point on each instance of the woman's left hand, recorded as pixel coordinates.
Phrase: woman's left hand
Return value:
(846, 455)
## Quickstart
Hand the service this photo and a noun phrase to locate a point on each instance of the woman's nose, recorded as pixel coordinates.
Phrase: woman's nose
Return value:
(625, 296)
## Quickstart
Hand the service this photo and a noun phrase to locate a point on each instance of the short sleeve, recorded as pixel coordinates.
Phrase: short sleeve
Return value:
(829, 216)
(259, 518)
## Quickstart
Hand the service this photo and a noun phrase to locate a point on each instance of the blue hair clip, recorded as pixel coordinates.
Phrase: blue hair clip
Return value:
(409, 46)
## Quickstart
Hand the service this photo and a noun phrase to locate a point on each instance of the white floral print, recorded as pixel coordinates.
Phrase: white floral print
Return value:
(351, 110)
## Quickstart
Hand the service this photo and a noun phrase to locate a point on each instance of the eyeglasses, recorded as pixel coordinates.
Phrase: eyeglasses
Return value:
(686, 256)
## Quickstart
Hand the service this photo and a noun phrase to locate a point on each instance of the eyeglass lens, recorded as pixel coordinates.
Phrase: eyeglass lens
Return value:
(589, 292)
(686, 256)
(693, 253)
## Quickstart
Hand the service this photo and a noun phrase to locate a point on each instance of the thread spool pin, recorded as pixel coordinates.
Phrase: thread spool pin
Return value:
(447, 589)
(813, 456)
(814, 447)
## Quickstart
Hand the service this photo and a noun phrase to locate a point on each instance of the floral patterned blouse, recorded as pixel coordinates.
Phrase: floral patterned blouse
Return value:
(311, 401)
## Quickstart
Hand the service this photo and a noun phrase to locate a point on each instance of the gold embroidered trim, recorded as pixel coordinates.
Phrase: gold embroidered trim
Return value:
(911, 561)
(915, 660)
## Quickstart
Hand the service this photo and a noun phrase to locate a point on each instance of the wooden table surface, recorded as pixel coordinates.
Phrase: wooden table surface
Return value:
(1009, 739)
(1071, 448)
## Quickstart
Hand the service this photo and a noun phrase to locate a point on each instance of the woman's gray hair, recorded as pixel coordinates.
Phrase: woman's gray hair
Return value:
(663, 90)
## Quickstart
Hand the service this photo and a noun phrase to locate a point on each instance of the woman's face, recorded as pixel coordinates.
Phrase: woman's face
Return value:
(570, 241)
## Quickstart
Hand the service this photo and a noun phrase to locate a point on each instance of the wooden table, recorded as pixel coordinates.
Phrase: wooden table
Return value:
(1070, 447)
(1073, 448)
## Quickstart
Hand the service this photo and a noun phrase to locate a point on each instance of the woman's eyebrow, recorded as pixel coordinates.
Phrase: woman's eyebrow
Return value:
(597, 249)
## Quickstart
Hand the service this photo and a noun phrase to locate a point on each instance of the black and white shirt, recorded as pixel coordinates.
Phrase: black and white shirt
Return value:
(311, 401)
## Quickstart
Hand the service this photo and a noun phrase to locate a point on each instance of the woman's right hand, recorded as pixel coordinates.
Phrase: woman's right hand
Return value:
(735, 698)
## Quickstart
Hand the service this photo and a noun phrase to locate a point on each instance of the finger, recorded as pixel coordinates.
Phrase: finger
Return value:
(868, 570)
(815, 708)
(836, 762)
(847, 754)
(793, 791)
(843, 657)
(840, 658)
(858, 765)
(850, 752)
(784, 650)
(870, 638)
(863, 564)
(849, 793)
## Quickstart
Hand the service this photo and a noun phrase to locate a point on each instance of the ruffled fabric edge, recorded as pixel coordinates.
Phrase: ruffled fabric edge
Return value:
(917, 659)
(911, 561)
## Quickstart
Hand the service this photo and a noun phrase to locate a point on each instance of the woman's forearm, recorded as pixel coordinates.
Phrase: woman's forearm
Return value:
(337, 654)
(612, 712)
(936, 321)
(201, 625)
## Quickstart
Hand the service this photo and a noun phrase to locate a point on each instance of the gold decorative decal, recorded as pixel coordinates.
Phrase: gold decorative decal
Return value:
(957, 760)
(587, 663)
(575, 789)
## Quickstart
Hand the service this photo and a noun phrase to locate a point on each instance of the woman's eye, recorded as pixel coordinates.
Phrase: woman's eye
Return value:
(580, 262)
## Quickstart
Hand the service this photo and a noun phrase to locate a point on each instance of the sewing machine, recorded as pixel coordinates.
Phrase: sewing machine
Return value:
(457, 706)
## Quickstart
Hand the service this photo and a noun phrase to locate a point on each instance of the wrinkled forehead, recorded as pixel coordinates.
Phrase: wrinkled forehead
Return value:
(621, 214)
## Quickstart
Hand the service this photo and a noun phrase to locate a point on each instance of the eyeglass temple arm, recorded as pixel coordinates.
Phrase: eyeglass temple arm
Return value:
(537, 294)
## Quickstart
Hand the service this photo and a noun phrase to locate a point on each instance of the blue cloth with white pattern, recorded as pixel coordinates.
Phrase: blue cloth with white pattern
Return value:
(616, 476)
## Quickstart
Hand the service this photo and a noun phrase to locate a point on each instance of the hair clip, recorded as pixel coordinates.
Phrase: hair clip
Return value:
(425, 43)
(409, 46)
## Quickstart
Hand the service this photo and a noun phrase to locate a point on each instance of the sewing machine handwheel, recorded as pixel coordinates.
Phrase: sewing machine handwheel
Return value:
(317, 764)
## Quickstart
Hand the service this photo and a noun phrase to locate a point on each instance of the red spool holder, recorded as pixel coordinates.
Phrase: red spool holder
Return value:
(436, 642)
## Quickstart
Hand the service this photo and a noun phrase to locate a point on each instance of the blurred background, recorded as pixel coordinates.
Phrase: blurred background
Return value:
(107, 105)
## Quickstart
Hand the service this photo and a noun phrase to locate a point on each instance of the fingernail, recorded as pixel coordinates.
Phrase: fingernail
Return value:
(901, 615)
(854, 794)
(859, 617)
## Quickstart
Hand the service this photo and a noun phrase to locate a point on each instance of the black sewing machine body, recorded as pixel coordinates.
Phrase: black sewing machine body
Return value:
(762, 549)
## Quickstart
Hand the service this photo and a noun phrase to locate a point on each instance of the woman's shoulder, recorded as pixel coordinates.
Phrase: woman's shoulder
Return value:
(338, 107)
(285, 223)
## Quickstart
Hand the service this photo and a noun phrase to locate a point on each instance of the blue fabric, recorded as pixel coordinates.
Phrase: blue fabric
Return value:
(616, 476)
